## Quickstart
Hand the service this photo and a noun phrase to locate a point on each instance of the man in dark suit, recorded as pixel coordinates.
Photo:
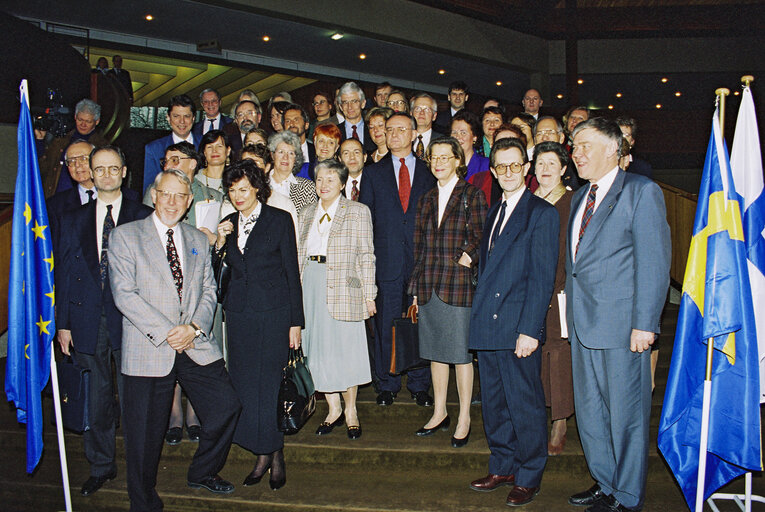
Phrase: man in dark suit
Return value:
(617, 267)
(519, 252)
(351, 101)
(391, 190)
(458, 96)
(89, 324)
(122, 76)
(296, 120)
(352, 154)
(213, 118)
(247, 114)
(180, 115)
(424, 109)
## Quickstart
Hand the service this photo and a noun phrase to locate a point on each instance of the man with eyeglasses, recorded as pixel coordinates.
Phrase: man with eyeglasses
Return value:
(458, 96)
(89, 325)
(53, 168)
(425, 110)
(531, 102)
(351, 101)
(180, 116)
(162, 282)
(247, 115)
(548, 129)
(213, 119)
(391, 190)
(519, 252)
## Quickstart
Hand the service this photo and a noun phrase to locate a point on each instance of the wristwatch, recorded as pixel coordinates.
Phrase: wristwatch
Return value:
(197, 330)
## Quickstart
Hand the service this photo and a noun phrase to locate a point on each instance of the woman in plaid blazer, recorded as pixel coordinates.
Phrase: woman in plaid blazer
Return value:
(447, 238)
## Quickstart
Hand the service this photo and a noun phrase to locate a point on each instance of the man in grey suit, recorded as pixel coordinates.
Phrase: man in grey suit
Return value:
(617, 266)
(163, 285)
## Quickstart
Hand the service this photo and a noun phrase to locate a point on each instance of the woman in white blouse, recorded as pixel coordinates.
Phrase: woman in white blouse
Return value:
(337, 264)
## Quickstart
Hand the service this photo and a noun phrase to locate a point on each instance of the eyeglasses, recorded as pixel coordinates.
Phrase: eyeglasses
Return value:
(173, 160)
(113, 170)
(426, 110)
(545, 133)
(441, 159)
(282, 152)
(502, 169)
(248, 113)
(396, 103)
(210, 102)
(166, 196)
(84, 159)
(350, 102)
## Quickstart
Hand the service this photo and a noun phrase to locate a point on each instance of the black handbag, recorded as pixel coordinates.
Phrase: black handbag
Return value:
(74, 390)
(405, 347)
(297, 399)
(222, 274)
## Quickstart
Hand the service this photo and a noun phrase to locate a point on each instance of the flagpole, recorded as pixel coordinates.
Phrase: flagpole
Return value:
(60, 431)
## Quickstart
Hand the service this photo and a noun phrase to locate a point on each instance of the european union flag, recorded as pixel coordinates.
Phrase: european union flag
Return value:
(31, 324)
(716, 303)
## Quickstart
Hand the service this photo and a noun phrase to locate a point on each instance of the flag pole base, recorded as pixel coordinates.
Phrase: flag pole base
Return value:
(744, 501)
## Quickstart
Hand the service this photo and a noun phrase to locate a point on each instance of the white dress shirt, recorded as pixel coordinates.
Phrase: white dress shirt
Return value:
(512, 202)
(604, 185)
(349, 184)
(318, 236)
(101, 215)
(216, 124)
(177, 238)
(84, 197)
(189, 139)
(282, 188)
(242, 233)
(304, 149)
(444, 193)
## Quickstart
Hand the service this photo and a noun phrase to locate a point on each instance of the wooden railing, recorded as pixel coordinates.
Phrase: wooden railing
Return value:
(681, 211)
(6, 218)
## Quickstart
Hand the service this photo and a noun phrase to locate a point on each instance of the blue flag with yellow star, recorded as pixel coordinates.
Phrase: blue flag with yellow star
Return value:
(717, 305)
(31, 324)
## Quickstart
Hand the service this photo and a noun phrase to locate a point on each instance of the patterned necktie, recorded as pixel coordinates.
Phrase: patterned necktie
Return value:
(91, 195)
(498, 226)
(420, 147)
(355, 190)
(175, 262)
(404, 187)
(108, 226)
(355, 134)
(589, 209)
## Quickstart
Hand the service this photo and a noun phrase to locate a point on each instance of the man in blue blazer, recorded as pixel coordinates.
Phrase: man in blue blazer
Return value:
(519, 253)
(351, 101)
(180, 115)
(617, 266)
(391, 190)
(213, 118)
(89, 324)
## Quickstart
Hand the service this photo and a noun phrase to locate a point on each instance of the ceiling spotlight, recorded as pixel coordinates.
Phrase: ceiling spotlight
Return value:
(441, 71)
(148, 17)
(618, 95)
(580, 81)
(266, 38)
(610, 107)
(362, 56)
(678, 94)
(735, 93)
(658, 105)
(336, 36)
(499, 83)
(560, 96)
(664, 80)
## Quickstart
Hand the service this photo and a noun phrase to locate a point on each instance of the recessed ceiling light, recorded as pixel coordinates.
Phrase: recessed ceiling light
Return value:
(678, 94)
(560, 96)
(664, 80)
(658, 105)
(148, 17)
(735, 93)
(580, 81)
(362, 56)
(441, 71)
(618, 95)
(610, 107)
(499, 83)
(336, 36)
(266, 38)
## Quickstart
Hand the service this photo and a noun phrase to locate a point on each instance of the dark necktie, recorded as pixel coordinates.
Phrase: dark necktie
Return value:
(108, 226)
(212, 125)
(355, 190)
(355, 134)
(175, 262)
(404, 187)
(420, 147)
(498, 226)
(91, 195)
(589, 209)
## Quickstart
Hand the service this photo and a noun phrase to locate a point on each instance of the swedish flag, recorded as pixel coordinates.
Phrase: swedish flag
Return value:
(716, 303)
(31, 324)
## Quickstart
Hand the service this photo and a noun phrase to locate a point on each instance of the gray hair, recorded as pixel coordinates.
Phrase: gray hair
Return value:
(420, 95)
(173, 172)
(209, 89)
(606, 127)
(291, 139)
(349, 88)
(558, 126)
(87, 106)
(406, 115)
(284, 94)
(335, 166)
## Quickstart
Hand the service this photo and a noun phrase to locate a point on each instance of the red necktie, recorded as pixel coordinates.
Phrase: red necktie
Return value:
(404, 187)
(355, 191)
(589, 209)
(355, 134)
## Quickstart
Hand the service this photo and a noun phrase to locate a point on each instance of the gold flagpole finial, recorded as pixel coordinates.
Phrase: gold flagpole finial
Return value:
(747, 79)
(721, 93)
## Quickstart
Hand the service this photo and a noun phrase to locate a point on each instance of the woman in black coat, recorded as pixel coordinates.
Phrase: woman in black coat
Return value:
(264, 311)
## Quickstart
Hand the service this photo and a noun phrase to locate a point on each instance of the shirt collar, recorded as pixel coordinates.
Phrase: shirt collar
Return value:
(189, 139)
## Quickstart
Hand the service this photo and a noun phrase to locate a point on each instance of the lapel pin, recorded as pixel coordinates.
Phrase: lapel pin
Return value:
(194, 251)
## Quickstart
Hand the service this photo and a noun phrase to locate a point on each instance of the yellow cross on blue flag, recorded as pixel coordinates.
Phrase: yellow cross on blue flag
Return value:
(717, 304)
(31, 323)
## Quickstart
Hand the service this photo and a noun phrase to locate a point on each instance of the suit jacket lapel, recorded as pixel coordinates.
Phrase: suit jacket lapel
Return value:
(604, 210)
(337, 220)
(517, 220)
(576, 203)
(191, 258)
(305, 229)
(90, 244)
(260, 229)
(454, 202)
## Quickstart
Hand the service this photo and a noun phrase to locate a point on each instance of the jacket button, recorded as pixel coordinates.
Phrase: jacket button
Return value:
(494, 316)
(496, 294)
(573, 274)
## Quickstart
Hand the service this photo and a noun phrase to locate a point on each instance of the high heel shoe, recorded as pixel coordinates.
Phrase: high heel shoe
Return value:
(254, 478)
(459, 443)
(277, 467)
(430, 431)
(326, 428)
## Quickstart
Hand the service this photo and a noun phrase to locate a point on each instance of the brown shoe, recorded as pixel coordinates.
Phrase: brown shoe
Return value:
(521, 495)
(491, 482)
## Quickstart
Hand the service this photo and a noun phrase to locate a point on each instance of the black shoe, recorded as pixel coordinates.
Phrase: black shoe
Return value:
(259, 470)
(476, 400)
(213, 484)
(326, 428)
(430, 431)
(459, 443)
(278, 468)
(354, 432)
(94, 483)
(587, 497)
(386, 398)
(194, 432)
(422, 398)
(609, 504)
(173, 436)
